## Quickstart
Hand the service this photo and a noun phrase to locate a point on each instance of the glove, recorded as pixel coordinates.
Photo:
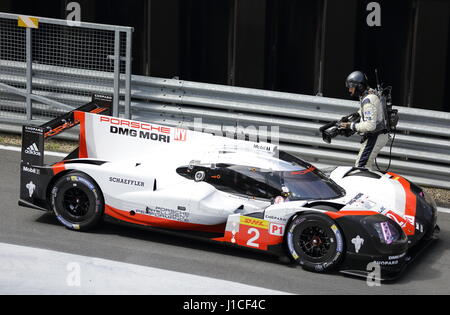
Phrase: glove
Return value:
(345, 125)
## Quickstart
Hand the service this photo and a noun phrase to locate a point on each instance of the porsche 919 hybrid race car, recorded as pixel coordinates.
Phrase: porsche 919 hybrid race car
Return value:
(228, 191)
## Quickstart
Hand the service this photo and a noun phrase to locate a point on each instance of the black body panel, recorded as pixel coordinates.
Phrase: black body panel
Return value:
(365, 246)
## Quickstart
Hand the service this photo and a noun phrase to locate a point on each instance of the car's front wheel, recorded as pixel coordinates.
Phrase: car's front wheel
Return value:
(315, 242)
(77, 201)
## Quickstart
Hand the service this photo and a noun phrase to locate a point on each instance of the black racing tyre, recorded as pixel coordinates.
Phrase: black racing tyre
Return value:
(315, 242)
(77, 201)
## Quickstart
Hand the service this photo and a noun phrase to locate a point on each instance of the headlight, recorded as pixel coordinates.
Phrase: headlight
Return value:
(387, 236)
(384, 229)
(388, 233)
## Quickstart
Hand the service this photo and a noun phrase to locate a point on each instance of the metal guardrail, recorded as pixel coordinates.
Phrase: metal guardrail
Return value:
(421, 151)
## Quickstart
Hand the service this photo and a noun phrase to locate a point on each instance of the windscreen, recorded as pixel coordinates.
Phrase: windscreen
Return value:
(304, 184)
(310, 184)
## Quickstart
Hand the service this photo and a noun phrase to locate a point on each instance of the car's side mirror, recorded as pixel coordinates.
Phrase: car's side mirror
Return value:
(199, 176)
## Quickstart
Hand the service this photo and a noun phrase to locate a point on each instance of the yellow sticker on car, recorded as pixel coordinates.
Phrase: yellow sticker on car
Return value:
(253, 222)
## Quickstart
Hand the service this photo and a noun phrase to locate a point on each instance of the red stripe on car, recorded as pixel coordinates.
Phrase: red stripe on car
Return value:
(81, 117)
(147, 220)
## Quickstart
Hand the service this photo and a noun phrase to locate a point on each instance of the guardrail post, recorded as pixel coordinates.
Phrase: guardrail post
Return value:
(116, 74)
(29, 73)
(128, 75)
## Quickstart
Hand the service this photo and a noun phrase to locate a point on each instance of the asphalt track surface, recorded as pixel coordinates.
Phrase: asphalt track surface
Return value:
(430, 274)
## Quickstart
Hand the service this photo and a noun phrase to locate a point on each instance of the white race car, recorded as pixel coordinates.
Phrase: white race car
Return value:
(228, 191)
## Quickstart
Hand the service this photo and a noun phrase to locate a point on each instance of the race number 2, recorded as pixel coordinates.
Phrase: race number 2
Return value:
(253, 233)
(256, 235)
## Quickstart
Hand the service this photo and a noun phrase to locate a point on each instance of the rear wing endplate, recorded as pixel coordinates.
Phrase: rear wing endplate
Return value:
(33, 138)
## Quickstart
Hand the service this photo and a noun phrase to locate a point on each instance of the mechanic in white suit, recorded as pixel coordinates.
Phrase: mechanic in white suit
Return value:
(372, 125)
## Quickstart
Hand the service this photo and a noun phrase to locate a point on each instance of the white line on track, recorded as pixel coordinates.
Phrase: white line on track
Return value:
(26, 270)
(443, 210)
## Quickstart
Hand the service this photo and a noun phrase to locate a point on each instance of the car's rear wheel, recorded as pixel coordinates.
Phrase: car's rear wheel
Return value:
(77, 201)
(315, 242)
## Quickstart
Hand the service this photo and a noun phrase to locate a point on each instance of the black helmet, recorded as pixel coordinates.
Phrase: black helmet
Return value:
(357, 80)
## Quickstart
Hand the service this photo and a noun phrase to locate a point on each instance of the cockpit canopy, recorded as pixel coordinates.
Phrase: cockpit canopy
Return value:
(303, 182)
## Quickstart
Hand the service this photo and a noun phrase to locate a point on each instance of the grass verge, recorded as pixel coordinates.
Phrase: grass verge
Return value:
(54, 145)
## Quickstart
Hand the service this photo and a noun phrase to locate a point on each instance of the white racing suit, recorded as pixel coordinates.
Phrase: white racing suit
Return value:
(373, 129)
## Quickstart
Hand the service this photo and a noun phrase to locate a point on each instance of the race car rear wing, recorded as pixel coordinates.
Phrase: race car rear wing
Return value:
(33, 138)
(34, 176)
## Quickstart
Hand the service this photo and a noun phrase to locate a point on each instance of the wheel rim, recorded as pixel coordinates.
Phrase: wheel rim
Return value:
(315, 242)
(76, 202)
